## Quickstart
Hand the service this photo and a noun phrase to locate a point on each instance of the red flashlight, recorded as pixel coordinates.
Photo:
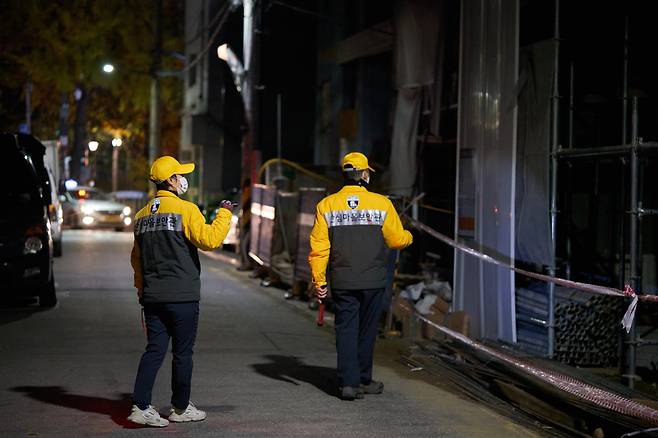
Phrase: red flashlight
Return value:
(320, 321)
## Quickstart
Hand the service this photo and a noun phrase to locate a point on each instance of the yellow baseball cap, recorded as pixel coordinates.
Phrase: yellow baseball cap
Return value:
(357, 161)
(166, 166)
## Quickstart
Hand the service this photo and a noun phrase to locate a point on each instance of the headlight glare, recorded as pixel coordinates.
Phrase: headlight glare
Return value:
(87, 209)
(32, 245)
(126, 211)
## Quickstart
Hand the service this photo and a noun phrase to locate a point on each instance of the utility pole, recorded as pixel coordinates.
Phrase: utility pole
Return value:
(116, 144)
(79, 130)
(252, 30)
(156, 66)
(28, 107)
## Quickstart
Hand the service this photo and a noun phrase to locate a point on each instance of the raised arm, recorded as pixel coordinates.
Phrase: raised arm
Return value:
(205, 236)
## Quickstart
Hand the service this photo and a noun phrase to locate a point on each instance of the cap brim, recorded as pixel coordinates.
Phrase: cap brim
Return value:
(371, 169)
(185, 168)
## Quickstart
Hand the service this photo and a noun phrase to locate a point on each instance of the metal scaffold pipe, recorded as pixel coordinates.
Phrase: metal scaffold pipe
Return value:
(571, 103)
(553, 178)
(624, 134)
(634, 248)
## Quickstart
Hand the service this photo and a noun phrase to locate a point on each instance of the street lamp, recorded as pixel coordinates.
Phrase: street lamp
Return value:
(222, 52)
(116, 144)
(242, 79)
(227, 55)
(93, 147)
(154, 111)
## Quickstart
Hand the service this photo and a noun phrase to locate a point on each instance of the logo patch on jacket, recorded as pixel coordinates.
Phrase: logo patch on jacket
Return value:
(353, 202)
(155, 206)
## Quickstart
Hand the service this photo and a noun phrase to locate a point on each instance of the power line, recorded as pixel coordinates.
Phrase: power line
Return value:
(204, 28)
(225, 11)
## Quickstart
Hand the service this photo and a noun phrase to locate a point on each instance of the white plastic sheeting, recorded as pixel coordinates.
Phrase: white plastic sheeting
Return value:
(416, 42)
(486, 164)
(404, 141)
(533, 228)
(417, 35)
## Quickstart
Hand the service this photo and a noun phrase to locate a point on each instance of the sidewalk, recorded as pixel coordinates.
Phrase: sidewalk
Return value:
(412, 405)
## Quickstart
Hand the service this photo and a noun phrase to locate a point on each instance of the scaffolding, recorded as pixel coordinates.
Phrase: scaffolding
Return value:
(631, 150)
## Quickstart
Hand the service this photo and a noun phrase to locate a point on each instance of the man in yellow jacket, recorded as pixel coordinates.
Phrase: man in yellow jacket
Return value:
(168, 231)
(349, 241)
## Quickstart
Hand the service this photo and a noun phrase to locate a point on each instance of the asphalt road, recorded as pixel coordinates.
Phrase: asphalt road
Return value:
(262, 367)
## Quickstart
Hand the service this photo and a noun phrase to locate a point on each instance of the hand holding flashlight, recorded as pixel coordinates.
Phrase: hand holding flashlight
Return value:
(227, 205)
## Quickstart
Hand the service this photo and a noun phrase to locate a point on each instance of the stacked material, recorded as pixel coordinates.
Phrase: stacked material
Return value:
(274, 229)
(586, 325)
(308, 200)
(587, 329)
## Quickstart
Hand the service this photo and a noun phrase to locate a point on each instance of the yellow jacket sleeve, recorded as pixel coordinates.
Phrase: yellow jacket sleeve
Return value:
(320, 247)
(205, 236)
(395, 235)
(136, 262)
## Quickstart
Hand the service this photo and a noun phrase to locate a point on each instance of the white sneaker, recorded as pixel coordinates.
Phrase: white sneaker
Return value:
(190, 414)
(147, 417)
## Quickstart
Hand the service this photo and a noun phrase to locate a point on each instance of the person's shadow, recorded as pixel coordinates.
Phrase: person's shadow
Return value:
(291, 369)
(117, 409)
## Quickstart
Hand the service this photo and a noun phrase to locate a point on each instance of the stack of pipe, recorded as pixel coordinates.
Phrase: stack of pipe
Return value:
(586, 326)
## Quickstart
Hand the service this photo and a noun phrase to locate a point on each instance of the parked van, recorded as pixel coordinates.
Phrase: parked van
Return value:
(26, 245)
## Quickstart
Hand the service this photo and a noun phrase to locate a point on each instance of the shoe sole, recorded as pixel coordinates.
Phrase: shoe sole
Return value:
(357, 396)
(378, 391)
(142, 422)
(185, 420)
(374, 392)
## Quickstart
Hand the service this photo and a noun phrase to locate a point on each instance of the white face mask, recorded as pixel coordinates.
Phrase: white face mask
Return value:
(366, 177)
(182, 185)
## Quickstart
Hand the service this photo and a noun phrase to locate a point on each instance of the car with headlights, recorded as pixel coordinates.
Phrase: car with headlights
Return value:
(89, 208)
(135, 199)
(26, 244)
(37, 153)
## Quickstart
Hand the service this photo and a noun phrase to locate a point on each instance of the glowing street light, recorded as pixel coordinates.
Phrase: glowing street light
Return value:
(222, 52)
(117, 142)
(227, 55)
(93, 146)
(108, 68)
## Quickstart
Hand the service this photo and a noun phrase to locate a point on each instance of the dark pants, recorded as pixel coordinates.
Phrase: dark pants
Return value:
(178, 321)
(357, 315)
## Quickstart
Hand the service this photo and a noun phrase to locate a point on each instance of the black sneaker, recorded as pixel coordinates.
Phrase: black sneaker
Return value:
(351, 393)
(374, 387)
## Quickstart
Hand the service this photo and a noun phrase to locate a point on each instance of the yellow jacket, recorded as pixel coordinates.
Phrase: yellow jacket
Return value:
(168, 231)
(352, 231)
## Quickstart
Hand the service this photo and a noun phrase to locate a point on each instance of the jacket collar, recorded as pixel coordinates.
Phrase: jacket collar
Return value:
(353, 189)
(165, 194)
